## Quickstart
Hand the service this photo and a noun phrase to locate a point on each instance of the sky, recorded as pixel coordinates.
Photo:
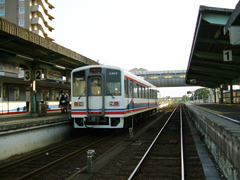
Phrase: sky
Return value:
(155, 35)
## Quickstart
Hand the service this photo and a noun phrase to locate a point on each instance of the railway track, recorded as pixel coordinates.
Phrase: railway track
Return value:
(171, 155)
(57, 162)
(37, 164)
(162, 162)
(150, 157)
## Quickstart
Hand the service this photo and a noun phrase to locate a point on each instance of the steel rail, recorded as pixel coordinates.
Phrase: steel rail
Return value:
(150, 147)
(21, 161)
(61, 160)
(182, 152)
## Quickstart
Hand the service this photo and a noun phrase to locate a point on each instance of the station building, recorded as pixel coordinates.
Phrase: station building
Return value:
(36, 16)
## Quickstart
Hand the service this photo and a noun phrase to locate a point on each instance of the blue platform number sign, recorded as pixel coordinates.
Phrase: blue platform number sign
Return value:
(27, 75)
(227, 55)
(38, 74)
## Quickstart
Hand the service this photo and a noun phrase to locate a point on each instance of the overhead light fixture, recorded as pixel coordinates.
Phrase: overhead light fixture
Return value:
(25, 57)
(59, 67)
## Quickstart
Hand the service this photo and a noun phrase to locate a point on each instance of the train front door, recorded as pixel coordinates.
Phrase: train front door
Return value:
(95, 99)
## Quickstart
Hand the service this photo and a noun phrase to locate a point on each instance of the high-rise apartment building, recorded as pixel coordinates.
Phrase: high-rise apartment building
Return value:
(35, 15)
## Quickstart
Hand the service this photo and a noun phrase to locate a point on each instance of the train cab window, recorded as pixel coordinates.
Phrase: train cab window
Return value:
(96, 86)
(113, 82)
(113, 88)
(79, 83)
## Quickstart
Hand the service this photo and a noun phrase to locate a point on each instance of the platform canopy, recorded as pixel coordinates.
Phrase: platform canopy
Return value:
(21, 46)
(213, 60)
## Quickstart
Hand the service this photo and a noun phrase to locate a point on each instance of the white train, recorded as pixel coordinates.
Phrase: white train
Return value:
(109, 97)
(15, 95)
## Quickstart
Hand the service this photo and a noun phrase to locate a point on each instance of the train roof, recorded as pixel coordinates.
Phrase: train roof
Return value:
(126, 72)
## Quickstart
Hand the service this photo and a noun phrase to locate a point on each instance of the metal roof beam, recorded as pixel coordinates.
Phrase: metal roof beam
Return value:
(205, 77)
(53, 58)
(208, 84)
(218, 72)
(224, 78)
(216, 19)
(235, 15)
(9, 39)
(212, 41)
(213, 77)
(203, 83)
(214, 56)
(208, 55)
(219, 65)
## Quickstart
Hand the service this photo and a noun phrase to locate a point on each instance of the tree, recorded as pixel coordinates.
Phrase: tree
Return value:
(202, 93)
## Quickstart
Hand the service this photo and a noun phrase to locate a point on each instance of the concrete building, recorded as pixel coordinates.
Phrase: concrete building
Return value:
(34, 15)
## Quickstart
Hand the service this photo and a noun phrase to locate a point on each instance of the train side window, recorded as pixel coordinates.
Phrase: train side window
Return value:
(16, 93)
(42, 94)
(53, 95)
(57, 95)
(79, 83)
(136, 91)
(47, 95)
(140, 92)
(4, 91)
(144, 92)
(147, 93)
(126, 87)
(131, 89)
(27, 94)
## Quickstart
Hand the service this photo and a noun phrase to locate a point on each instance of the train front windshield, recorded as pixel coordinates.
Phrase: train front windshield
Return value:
(111, 81)
(79, 83)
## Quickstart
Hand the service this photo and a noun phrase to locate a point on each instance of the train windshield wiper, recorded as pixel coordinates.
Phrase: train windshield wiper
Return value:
(81, 94)
(110, 94)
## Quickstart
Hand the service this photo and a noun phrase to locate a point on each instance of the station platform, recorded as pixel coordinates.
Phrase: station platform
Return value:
(228, 110)
(13, 122)
(219, 125)
(23, 133)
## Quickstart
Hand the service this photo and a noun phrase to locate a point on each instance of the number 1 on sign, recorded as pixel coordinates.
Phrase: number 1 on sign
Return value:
(227, 55)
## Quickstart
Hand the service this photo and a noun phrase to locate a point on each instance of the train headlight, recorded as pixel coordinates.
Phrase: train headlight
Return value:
(114, 103)
(78, 103)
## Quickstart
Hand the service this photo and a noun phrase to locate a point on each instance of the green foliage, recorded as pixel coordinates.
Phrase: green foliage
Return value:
(201, 93)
